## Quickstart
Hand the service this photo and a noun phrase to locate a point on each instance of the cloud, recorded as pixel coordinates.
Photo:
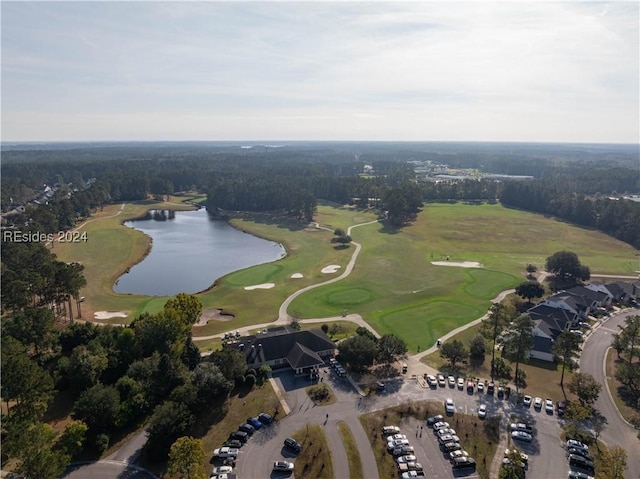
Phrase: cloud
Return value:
(424, 70)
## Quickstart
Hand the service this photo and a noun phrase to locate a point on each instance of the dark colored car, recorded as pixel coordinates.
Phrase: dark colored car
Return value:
(581, 462)
(255, 422)
(580, 452)
(239, 436)
(464, 462)
(292, 444)
(237, 443)
(490, 388)
(560, 408)
(434, 419)
(248, 428)
(265, 418)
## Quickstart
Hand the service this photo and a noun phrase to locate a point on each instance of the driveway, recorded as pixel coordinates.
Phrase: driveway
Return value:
(592, 361)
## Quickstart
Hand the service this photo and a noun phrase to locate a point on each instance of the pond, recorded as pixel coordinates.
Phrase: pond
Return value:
(190, 250)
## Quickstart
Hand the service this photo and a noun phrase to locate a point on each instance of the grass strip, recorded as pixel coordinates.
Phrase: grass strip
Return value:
(353, 455)
(315, 458)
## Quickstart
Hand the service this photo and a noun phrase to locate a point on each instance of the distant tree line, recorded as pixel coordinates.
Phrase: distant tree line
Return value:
(616, 217)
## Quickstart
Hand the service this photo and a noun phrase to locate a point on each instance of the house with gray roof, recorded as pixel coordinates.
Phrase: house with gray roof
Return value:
(284, 346)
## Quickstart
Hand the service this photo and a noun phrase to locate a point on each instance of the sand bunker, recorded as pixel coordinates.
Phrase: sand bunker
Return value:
(332, 268)
(260, 286)
(110, 314)
(463, 264)
(297, 275)
(213, 314)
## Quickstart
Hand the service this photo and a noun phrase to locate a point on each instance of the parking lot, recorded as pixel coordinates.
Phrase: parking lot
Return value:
(546, 451)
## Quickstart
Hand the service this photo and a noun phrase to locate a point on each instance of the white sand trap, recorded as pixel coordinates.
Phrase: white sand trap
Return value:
(463, 264)
(297, 275)
(260, 286)
(110, 314)
(332, 268)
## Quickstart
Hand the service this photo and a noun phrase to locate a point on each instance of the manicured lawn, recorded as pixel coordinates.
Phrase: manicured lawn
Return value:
(353, 455)
(315, 458)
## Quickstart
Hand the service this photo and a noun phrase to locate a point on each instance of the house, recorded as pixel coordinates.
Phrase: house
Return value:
(284, 346)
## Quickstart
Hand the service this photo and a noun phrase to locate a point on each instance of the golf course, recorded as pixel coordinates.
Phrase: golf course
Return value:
(395, 285)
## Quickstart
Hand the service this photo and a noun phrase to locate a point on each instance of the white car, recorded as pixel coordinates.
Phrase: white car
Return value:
(226, 452)
(480, 386)
(221, 470)
(407, 458)
(391, 445)
(537, 403)
(482, 411)
(431, 380)
(458, 453)
(449, 406)
(548, 406)
(395, 437)
(441, 381)
(460, 383)
(282, 466)
(412, 474)
(577, 445)
(440, 425)
(526, 401)
(445, 430)
(452, 382)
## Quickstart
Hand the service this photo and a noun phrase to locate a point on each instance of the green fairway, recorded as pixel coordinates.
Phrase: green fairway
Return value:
(394, 284)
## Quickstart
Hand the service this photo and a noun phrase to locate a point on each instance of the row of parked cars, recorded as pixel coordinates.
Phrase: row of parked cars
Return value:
(450, 444)
(579, 458)
(403, 453)
(337, 367)
(228, 453)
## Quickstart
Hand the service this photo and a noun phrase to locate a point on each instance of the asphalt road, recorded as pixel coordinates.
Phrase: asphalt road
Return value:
(618, 432)
(547, 456)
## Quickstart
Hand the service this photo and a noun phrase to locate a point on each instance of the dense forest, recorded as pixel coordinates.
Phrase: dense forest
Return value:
(572, 182)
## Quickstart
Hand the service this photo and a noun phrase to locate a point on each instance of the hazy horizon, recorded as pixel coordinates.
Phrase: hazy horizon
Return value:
(497, 72)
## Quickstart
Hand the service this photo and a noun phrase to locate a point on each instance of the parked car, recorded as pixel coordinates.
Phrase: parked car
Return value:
(480, 386)
(491, 388)
(222, 470)
(440, 425)
(500, 392)
(580, 452)
(460, 383)
(537, 403)
(395, 437)
(482, 411)
(578, 475)
(248, 428)
(451, 446)
(581, 462)
(577, 444)
(458, 453)
(521, 436)
(470, 387)
(523, 457)
(434, 419)
(444, 431)
(448, 438)
(407, 458)
(409, 466)
(412, 474)
(548, 406)
(403, 451)
(233, 443)
(226, 452)
(239, 436)
(388, 430)
(391, 445)
(432, 381)
(292, 444)
(449, 406)
(560, 408)
(255, 422)
(465, 462)
(452, 382)
(526, 401)
(282, 466)
(441, 381)
(520, 426)
(265, 418)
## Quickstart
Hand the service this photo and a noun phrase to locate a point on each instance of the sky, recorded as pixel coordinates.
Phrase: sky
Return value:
(408, 71)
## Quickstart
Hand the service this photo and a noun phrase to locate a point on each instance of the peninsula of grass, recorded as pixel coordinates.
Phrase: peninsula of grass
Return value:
(315, 458)
(480, 437)
(353, 455)
(397, 289)
(321, 394)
